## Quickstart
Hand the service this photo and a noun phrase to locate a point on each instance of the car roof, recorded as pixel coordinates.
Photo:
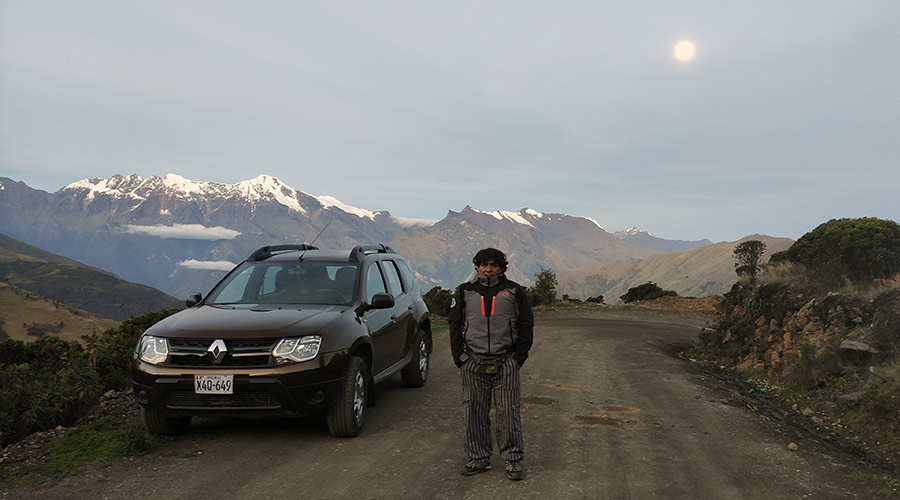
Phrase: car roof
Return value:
(287, 253)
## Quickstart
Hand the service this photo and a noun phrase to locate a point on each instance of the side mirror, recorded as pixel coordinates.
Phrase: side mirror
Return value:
(382, 301)
(379, 301)
(193, 300)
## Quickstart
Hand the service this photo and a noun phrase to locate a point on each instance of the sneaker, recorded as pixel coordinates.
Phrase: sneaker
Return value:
(475, 466)
(514, 470)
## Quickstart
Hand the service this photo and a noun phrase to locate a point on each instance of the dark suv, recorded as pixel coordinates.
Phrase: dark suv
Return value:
(291, 331)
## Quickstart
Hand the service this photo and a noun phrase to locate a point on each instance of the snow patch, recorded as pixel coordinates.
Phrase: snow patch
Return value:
(533, 213)
(596, 223)
(330, 201)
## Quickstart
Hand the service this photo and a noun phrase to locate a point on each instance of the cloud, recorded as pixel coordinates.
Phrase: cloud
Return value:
(412, 222)
(186, 232)
(207, 265)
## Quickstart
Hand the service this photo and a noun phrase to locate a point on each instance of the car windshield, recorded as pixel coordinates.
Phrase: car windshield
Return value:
(326, 283)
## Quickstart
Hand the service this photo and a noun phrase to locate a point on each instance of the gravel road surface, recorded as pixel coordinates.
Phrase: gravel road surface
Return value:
(607, 414)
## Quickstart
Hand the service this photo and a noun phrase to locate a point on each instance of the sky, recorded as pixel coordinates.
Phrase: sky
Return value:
(788, 114)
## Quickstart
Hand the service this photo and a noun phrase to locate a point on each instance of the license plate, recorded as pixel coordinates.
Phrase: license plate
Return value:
(213, 384)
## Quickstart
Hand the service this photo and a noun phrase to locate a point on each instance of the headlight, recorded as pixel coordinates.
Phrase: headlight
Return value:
(297, 348)
(153, 350)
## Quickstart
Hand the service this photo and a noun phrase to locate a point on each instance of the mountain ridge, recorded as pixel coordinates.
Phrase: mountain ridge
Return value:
(178, 235)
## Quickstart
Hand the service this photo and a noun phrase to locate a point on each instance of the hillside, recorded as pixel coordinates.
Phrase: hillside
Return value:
(708, 270)
(82, 287)
(23, 310)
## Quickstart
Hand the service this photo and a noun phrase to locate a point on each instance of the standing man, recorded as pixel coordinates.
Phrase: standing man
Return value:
(491, 331)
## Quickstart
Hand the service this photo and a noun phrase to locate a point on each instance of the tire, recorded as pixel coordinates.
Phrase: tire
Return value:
(415, 374)
(158, 424)
(348, 415)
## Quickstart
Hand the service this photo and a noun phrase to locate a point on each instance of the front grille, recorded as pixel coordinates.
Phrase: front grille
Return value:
(244, 353)
(179, 400)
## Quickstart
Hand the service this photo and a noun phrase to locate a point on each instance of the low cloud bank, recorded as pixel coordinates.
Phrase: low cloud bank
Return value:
(186, 232)
(207, 265)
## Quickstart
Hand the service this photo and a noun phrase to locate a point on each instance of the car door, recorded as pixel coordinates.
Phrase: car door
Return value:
(380, 323)
(405, 327)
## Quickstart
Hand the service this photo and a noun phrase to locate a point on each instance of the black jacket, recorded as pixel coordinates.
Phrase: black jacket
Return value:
(490, 320)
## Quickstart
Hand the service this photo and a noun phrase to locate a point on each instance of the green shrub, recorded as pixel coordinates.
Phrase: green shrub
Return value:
(647, 291)
(115, 349)
(52, 382)
(43, 384)
(438, 301)
(855, 249)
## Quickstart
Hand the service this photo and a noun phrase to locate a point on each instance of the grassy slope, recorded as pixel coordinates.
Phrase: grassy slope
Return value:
(20, 306)
(80, 286)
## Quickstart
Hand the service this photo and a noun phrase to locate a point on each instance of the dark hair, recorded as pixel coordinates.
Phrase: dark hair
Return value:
(488, 254)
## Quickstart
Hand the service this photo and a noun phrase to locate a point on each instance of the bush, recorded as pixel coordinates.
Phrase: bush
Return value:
(596, 300)
(52, 382)
(115, 348)
(859, 250)
(438, 301)
(647, 291)
(43, 384)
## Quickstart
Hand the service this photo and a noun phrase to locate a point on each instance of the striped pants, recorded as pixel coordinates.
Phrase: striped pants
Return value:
(477, 391)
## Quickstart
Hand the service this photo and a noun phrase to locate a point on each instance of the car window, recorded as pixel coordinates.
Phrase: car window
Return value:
(233, 289)
(407, 274)
(322, 283)
(393, 277)
(374, 282)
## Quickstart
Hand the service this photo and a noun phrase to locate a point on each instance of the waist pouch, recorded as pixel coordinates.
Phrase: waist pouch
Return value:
(488, 364)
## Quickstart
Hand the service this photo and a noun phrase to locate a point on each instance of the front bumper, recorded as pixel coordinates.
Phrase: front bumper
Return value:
(292, 390)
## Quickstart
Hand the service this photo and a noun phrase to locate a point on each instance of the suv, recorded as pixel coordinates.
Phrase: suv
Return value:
(291, 331)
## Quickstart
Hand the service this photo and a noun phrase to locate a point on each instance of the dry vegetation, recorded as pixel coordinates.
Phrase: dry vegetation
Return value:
(23, 310)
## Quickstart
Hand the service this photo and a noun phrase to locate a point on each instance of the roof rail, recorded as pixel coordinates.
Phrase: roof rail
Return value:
(268, 251)
(359, 252)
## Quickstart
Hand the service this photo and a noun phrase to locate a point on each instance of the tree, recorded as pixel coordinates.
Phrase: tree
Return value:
(544, 289)
(748, 256)
(438, 300)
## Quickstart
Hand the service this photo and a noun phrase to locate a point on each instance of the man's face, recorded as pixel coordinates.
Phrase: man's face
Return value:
(489, 268)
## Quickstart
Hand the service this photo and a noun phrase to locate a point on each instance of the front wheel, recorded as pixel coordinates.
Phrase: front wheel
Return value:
(347, 416)
(158, 424)
(416, 372)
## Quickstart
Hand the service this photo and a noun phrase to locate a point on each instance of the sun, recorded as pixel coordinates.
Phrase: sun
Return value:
(685, 50)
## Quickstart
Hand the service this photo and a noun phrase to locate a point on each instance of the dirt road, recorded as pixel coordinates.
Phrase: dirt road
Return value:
(606, 414)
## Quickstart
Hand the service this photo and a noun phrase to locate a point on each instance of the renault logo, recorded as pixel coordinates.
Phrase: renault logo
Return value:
(217, 351)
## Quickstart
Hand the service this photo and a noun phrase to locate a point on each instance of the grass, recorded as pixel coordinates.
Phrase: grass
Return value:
(103, 439)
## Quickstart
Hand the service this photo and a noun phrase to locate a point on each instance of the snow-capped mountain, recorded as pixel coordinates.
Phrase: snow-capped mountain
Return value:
(180, 235)
(646, 239)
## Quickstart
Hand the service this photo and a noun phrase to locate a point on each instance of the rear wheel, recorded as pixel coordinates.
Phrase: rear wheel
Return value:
(347, 416)
(416, 372)
(157, 423)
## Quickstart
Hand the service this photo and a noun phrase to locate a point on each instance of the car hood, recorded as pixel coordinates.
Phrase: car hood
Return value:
(243, 322)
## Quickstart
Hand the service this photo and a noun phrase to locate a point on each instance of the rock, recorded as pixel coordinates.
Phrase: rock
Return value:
(109, 394)
(856, 346)
(760, 321)
(807, 412)
(793, 446)
(852, 396)
(794, 407)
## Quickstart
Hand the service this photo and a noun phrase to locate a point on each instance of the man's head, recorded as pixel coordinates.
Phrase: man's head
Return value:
(490, 262)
